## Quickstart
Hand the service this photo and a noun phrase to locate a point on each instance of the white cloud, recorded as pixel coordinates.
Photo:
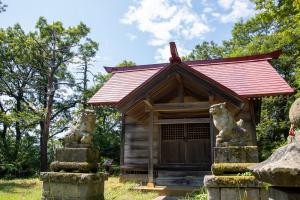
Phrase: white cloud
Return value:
(207, 10)
(225, 3)
(131, 36)
(163, 53)
(166, 20)
(235, 10)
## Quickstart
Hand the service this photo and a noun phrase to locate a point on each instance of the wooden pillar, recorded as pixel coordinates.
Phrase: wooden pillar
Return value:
(150, 142)
(122, 140)
(211, 129)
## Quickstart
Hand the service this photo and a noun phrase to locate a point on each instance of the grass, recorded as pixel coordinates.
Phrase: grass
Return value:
(123, 191)
(20, 189)
(31, 189)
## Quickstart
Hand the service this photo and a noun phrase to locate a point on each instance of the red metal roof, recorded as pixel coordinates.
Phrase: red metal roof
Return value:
(250, 76)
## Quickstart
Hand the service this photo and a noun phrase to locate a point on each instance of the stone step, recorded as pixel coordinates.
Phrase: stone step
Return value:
(172, 173)
(194, 181)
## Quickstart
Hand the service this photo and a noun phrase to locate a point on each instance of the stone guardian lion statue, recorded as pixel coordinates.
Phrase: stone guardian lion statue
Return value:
(80, 135)
(231, 133)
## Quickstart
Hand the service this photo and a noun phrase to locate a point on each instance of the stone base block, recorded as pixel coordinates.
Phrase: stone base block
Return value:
(236, 154)
(76, 155)
(72, 186)
(83, 167)
(234, 187)
(281, 193)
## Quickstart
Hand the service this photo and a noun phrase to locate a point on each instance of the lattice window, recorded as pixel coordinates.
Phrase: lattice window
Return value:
(172, 131)
(197, 131)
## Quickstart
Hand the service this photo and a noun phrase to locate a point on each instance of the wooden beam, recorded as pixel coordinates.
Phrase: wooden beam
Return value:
(182, 121)
(148, 104)
(150, 161)
(180, 89)
(192, 106)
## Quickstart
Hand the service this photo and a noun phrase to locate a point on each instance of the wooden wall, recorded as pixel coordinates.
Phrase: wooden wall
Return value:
(136, 143)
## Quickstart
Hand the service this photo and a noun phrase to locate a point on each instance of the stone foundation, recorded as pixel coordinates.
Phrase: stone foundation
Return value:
(72, 186)
(236, 154)
(234, 187)
(284, 193)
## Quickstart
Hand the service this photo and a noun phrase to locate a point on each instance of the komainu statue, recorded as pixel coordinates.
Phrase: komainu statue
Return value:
(80, 135)
(231, 133)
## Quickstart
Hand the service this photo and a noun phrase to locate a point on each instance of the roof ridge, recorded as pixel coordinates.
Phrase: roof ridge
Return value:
(251, 58)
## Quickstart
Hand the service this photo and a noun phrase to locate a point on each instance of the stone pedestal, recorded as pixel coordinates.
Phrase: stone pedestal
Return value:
(236, 154)
(227, 183)
(72, 186)
(75, 160)
(74, 176)
(234, 187)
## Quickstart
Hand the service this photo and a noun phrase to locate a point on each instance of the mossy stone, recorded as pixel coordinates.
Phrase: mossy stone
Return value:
(230, 168)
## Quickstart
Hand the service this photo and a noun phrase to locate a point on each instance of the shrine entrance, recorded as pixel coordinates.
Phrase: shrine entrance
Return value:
(186, 144)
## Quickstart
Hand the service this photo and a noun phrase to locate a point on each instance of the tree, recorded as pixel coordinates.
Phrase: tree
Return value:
(2, 7)
(16, 79)
(206, 51)
(87, 51)
(36, 81)
(58, 46)
(126, 63)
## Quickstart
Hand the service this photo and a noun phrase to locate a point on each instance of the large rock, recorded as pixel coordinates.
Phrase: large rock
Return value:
(294, 113)
(282, 168)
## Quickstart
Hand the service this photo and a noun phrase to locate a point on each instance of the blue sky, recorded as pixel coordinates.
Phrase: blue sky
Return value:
(137, 30)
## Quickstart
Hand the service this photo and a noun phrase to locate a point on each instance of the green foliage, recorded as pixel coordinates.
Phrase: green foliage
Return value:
(206, 51)
(198, 195)
(126, 63)
(245, 174)
(34, 80)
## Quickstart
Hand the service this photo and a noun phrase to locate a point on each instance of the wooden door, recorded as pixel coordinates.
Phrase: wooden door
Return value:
(187, 144)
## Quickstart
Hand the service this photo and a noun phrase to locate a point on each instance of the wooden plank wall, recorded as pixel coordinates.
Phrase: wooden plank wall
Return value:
(136, 143)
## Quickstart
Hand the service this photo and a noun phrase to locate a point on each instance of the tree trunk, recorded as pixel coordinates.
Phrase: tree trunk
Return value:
(18, 130)
(43, 152)
(85, 83)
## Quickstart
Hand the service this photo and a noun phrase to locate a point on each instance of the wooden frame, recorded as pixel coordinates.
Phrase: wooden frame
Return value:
(182, 121)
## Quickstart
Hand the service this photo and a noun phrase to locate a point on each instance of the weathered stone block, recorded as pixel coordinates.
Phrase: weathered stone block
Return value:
(72, 186)
(229, 193)
(235, 154)
(234, 187)
(74, 166)
(76, 155)
(281, 193)
(214, 193)
(231, 181)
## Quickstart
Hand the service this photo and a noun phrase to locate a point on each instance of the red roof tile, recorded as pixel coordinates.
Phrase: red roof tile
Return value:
(251, 76)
